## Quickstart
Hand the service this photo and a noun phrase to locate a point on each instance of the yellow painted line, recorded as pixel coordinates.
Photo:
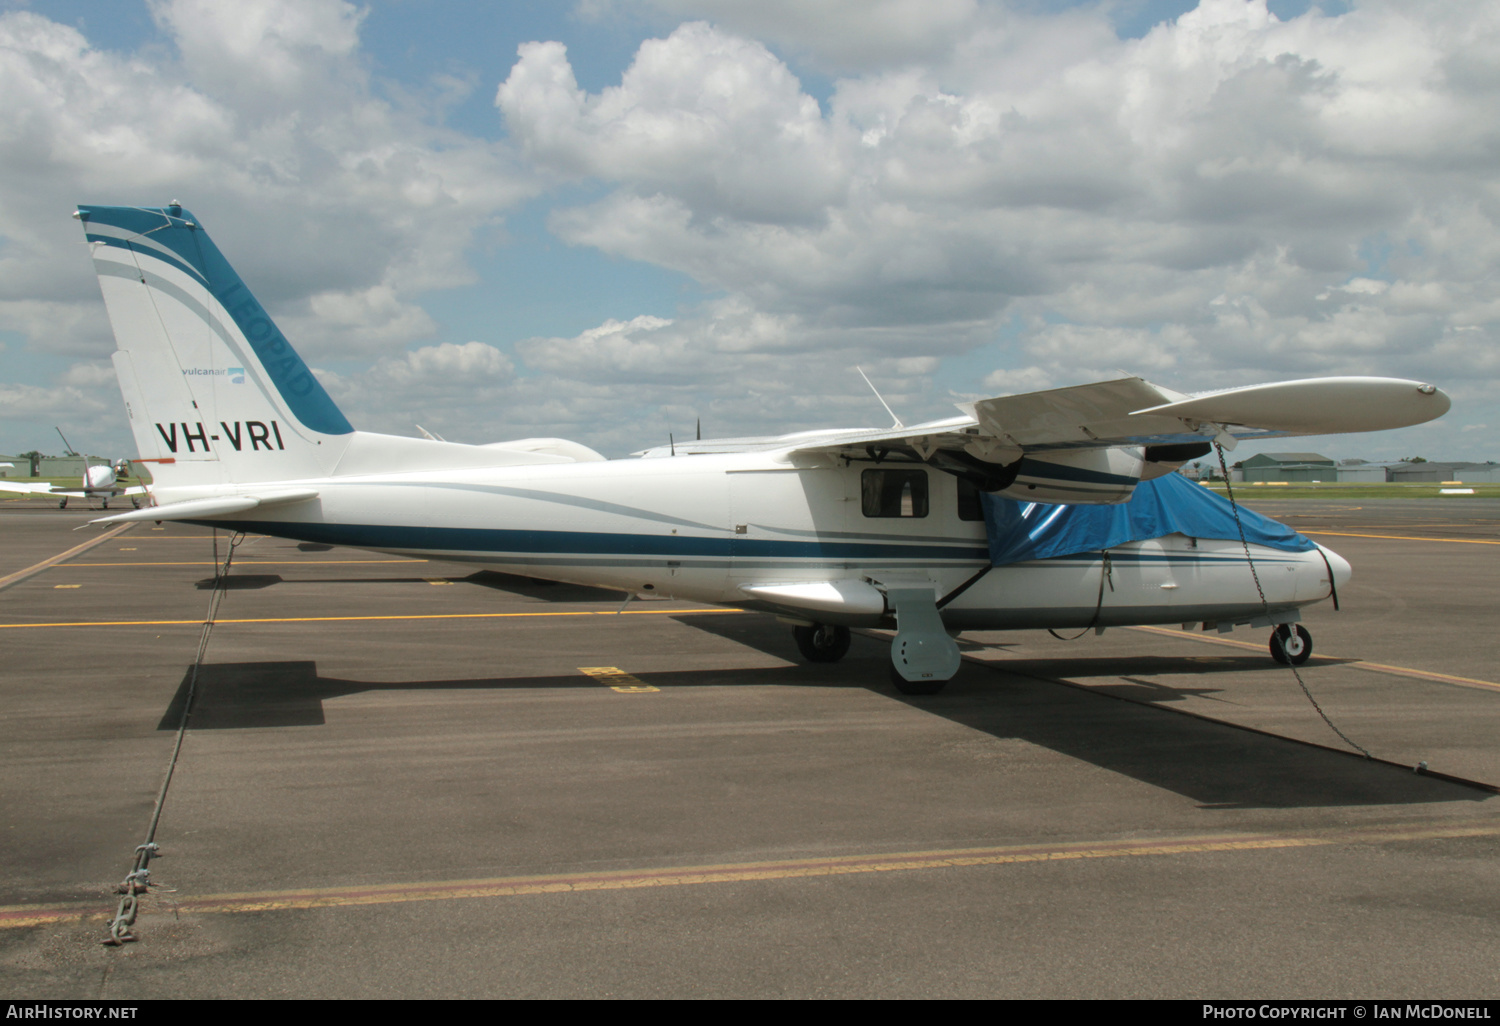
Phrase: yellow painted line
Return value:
(436, 581)
(1206, 638)
(790, 869)
(1446, 678)
(1399, 671)
(617, 679)
(75, 550)
(255, 562)
(67, 586)
(1403, 537)
(338, 619)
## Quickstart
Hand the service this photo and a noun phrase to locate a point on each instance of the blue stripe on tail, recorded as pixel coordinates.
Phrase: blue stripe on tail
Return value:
(178, 230)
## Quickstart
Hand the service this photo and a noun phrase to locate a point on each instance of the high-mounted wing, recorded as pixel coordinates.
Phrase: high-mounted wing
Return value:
(1094, 443)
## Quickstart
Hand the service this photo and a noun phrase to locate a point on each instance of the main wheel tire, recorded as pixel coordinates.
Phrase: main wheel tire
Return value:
(1291, 644)
(915, 687)
(822, 642)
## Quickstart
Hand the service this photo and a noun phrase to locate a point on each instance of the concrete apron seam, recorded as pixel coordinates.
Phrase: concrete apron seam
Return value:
(77, 550)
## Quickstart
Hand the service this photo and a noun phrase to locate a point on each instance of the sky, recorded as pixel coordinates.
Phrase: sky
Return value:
(609, 220)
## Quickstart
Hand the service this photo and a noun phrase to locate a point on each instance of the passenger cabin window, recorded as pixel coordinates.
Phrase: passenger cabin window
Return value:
(894, 493)
(969, 507)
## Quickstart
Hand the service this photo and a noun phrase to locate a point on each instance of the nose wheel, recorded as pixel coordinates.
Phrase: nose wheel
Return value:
(1291, 644)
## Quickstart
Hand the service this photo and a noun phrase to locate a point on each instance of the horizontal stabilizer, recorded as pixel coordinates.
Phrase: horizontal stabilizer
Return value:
(214, 506)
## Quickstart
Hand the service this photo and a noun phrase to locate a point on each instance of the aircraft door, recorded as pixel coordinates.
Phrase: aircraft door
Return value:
(789, 523)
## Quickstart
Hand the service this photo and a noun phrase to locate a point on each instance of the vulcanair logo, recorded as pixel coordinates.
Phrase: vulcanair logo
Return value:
(236, 375)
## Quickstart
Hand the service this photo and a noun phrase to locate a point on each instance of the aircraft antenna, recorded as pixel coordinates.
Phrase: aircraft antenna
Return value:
(881, 398)
(700, 429)
(672, 442)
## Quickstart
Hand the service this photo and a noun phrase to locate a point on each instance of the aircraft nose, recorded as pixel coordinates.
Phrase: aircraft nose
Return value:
(1342, 571)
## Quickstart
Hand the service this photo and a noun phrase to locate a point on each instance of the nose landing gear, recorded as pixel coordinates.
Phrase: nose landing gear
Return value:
(1291, 644)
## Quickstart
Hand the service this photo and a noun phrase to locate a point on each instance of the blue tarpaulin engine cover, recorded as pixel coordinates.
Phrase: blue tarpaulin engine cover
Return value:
(1172, 504)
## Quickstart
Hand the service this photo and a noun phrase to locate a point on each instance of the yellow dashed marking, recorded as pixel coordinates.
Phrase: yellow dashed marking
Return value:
(67, 586)
(402, 616)
(254, 562)
(1403, 537)
(1399, 671)
(130, 549)
(436, 581)
(678, 876)
(617, 679)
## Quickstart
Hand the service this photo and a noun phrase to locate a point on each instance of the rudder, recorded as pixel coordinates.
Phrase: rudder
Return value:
(213, 390)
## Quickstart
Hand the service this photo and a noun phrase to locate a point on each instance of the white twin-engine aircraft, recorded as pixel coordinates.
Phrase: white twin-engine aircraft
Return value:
(99, 482)
(1056, 509)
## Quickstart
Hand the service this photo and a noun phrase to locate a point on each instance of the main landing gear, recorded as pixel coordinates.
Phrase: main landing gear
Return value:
(924, 656)
(822, 642)
(1291, 644)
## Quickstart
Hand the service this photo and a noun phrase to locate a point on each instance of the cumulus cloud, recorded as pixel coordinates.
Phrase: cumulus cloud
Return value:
(76, 408)
(840, 35)
(336, 206)
(1230, 197)
(688, 109)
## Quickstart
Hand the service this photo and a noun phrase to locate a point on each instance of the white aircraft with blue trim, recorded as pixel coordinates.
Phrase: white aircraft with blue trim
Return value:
(1056, 509)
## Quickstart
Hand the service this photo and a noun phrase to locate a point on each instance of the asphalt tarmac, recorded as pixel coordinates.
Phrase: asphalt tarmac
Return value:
(407, 779)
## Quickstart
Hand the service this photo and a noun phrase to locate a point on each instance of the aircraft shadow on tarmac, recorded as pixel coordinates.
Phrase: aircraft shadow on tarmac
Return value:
(528, 587)
(240, 582)
(1215, 765)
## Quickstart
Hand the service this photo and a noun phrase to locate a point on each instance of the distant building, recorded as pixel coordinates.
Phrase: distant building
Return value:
(1289, 466)
(1368, 473)
(1476, 473)
(1430, 472)
(1426, 472)
(20, 466)
(61, 466)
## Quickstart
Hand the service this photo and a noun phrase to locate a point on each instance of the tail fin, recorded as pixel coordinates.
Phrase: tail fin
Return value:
(213, 390)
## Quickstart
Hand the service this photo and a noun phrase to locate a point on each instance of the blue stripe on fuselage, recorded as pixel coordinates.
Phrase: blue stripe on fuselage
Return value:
(476, 539)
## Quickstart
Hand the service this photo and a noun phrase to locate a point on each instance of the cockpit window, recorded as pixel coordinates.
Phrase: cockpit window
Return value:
(893, 493)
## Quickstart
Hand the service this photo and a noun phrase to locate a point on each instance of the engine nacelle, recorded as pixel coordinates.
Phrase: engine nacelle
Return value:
(1076, 476)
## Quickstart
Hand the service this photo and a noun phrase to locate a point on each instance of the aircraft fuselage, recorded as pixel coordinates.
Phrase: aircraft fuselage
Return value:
(705, 528)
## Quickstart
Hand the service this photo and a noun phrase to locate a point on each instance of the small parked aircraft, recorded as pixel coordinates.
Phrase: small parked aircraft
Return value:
(1056, 509)
(99, 482)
